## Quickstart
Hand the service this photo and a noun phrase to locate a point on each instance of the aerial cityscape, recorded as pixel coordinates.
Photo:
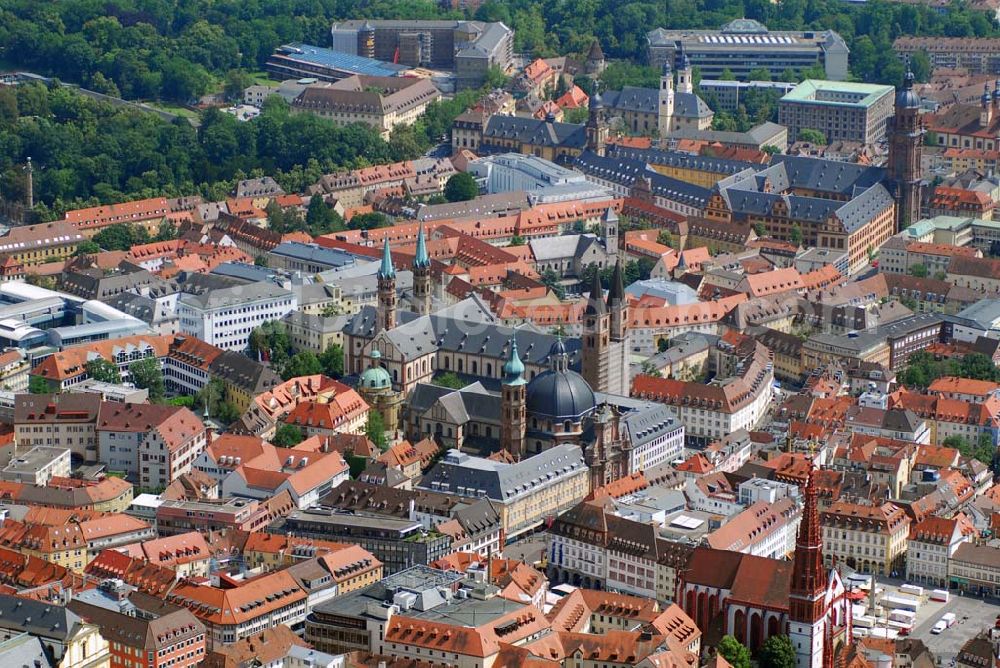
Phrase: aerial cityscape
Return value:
(499, 334)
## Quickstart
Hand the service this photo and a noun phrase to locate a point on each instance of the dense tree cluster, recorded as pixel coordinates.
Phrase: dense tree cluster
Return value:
(923, 369)
(181, 50)
(88, 152)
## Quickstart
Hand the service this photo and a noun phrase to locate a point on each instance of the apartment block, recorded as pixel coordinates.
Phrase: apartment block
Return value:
(842, 111)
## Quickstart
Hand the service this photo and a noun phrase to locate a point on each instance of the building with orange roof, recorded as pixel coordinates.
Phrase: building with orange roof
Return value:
(147, 213)
(649, 325)
(710, 412)
(272, 551)
(306, 476)
(574, 98)
(268, 409)
(951, 201)
(343, 412)
(770, 283)
(187, 554)
(154, 444)
(932, 542)
(762, 529)
(849, 528)
(952, 417)
(68, 367)
(963, 389)
(107, 495)
(243, 608)
(73, 544)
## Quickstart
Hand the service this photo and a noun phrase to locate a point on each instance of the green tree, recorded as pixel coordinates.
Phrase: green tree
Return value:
(121, 236)
(918, 270)
(759, 74)
(287, 435)
(236, 82)
(777, 652)
(375, 430)
(38, 385)
(727, 75)
(332, 360)
(665, 238)
(461, 187)
(167, 231)
(796, 234)
(759, 229)
(147, 374)
(449, 379)
(940, 275)
(516, 240)
(103, 370)
(303, 363)
(321, 218)
(185, 400)
(550, 279)
(736, 654)
(811, 136)
(260, 261)
(87, 247)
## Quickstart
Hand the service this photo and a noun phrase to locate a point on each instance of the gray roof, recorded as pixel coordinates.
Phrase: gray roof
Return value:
(473, 402)
(649, 423)
(535, 132)
(560, 395)
(647, 101)
(501, 481)
(38, 618)
(313, 253)
(250, 273)
(244, 372)
(625, 171)
(233, 296)
(23, 651)
(983, 313)
(558, 248)
(468, 325)
(680, 159)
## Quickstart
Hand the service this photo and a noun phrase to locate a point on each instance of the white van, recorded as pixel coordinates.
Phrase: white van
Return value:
(939, 627)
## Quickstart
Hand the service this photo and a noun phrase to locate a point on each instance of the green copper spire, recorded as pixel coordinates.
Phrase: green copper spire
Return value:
(513, 369)
(386, 270)
(421, 259)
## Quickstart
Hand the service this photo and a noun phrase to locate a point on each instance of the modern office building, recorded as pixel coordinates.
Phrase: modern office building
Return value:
(978, 55)
(305, 61)
(842, 111)
(744, 45)
(470, 48)
(225, 317)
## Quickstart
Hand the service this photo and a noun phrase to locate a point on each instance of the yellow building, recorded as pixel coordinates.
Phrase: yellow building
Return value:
(525, 493)
(871, 539)
(38, 244)
(541, 138)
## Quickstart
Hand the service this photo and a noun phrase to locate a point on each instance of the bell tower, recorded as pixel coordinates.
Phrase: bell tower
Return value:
(905, 150)
(422, 275)
(596, 337)
(513, 414)
(807, 611)
(386, 290)
(665, 111)
(596, 129)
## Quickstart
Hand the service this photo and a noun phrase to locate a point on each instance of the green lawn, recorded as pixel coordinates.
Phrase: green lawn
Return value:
(261, 77)
(174, 109)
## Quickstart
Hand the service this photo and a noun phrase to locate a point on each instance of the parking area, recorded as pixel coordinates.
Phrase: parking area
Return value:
(973, 615)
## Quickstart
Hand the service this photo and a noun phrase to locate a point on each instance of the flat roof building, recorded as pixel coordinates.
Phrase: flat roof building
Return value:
(298, 60)
(841, 110)
(468, 47)
(744, 45)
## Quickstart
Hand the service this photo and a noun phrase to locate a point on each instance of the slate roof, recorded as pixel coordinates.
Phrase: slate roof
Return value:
(683, 160)
(648, 423)
(536, 132)
(468, 325)
(38, 618)
(240, 370)
(625, 171)
(501, 481)
(233, 296)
